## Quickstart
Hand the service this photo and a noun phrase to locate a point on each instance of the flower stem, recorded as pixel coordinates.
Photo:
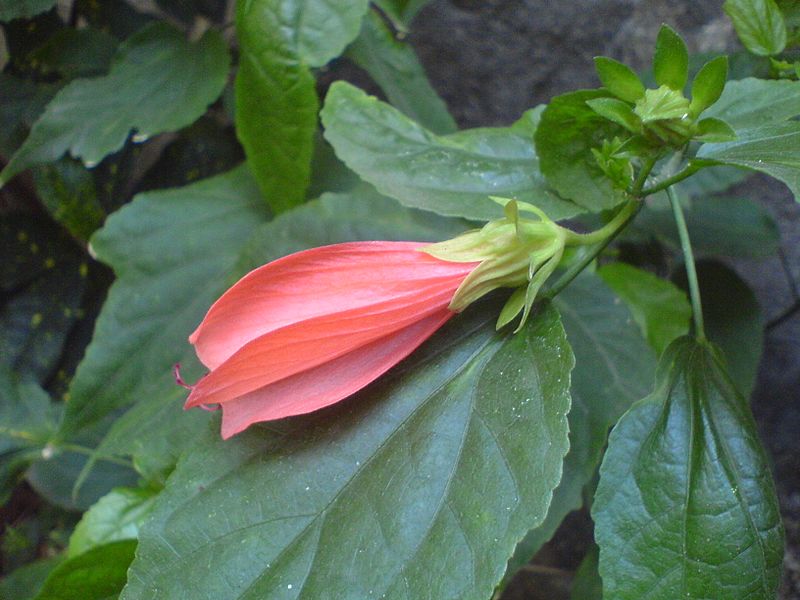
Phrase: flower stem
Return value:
(610, 231)
(667, 183)
(623, 216)
(688, 257)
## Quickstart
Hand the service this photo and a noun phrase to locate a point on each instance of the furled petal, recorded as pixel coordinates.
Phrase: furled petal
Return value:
(316, 282)
(330, 382)
(307, 344)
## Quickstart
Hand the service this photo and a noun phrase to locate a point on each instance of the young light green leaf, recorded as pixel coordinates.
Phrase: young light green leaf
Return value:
(451, 175)
(394, 66)
(714, 130)
(617, 111)
(385, 495)
(671, 60)
(23, 9)
(771, 149)
(98, 574)
(116, 516)
(608, 347)
(619, 79)
(661, 104)
(686, 507)
(660, 309)
(708, 84)
(760, 25)
(568, 131)
(159, 82)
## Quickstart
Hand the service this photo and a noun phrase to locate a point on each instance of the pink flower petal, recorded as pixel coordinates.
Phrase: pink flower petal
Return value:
(317, 282)
(308, 344)
(330, 382)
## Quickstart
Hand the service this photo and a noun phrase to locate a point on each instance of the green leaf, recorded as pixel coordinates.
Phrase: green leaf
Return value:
(68, 192)
(714, 130)
(751, 103)
(44, 278)
(708, 84)
(21, 103)
(23, 9)
(568, 131)
(587, 584)
(98, 574)
(395, 68)
(146, 319)
(174, 252)
(771, 149)
(718, 226)
(610, 349)
(660, 309)
(159, 82)
(686, 507)
(662, 104)
(276, 99)
(420, 486)
(617, 111)
(733, 321)
(451, 175)
(671, 60)
(74, 53)
(25, 582)
(401, 12)
(27, 422)
(760, 25)
(619, 79)
(116, 516)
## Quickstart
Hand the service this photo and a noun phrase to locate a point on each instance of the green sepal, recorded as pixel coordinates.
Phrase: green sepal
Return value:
(617, 111)
(660, 104)
(714, 130)
(671, 60)
(512, 307)
(619, 79)
(708, 84)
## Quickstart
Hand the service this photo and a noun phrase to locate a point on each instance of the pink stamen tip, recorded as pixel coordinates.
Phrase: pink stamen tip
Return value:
(176, 371)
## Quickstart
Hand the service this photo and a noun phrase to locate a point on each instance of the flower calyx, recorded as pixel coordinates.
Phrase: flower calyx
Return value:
(513, 252)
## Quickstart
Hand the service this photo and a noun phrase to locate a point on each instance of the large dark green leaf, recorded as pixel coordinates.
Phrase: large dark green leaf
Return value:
(21, 103)
(163, 288)
(174, 252)
(74, 53)
(686, 507)
(394, 66)
(43, 279)
(159, 82)
(98, 574)
(19, 9)
(718, 226)
(760, 25)
(27, 422)
(25, 582)
(276, 100)
(661, 310)
(772, 149)
(613, 368)
(452, 174)
(733, 321)
(418, 487)
(751, 102)
(566, 135)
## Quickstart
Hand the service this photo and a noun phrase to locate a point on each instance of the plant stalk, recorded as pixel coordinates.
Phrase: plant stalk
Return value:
(688, 257)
